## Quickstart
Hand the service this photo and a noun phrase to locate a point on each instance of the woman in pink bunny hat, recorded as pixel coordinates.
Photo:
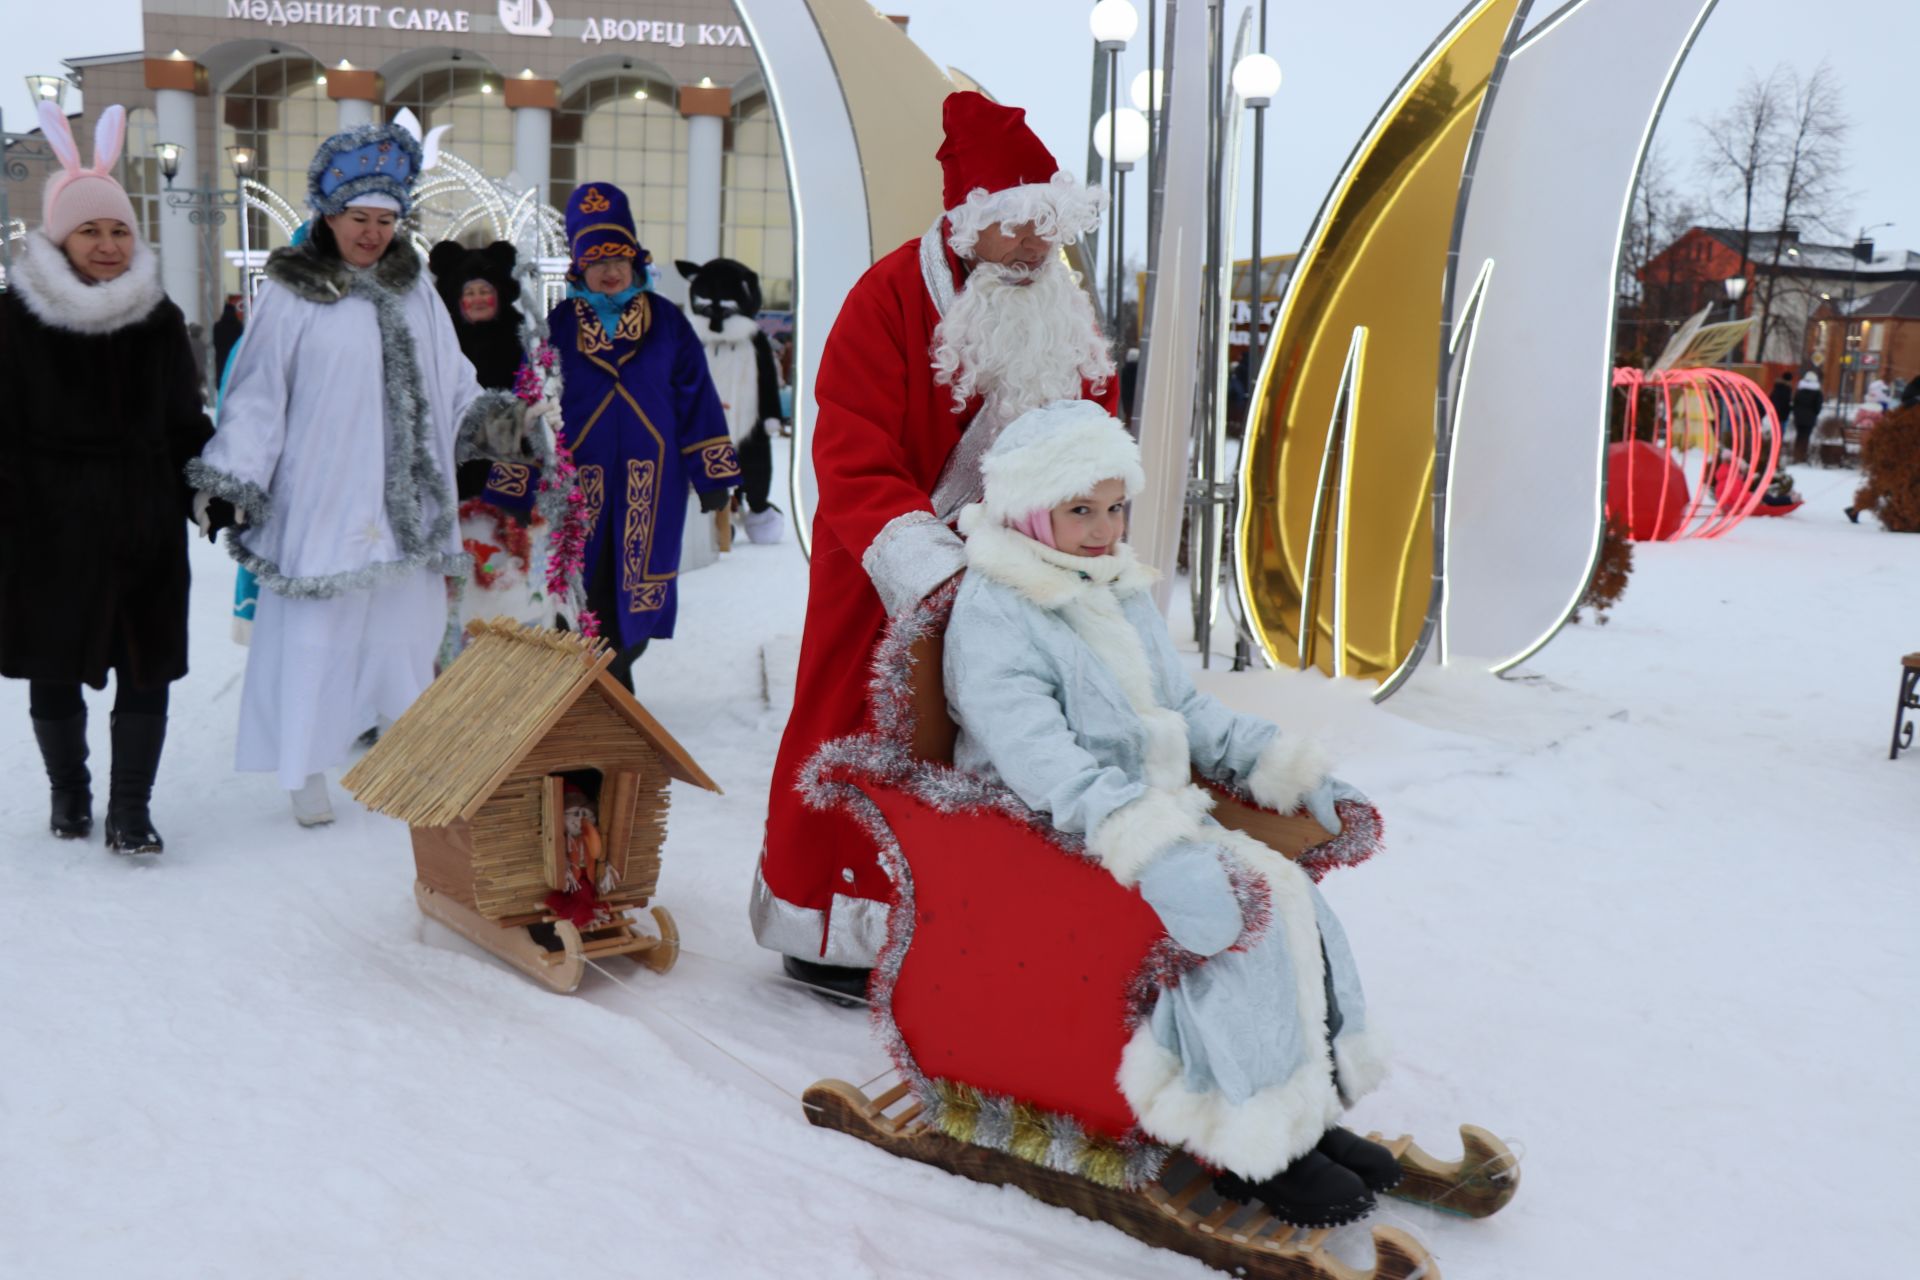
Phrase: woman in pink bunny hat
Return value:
(102, 413)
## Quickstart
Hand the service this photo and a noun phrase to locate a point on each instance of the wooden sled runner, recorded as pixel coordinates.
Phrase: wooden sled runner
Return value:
(536, 788)
(1180, 1212)
(560, 968)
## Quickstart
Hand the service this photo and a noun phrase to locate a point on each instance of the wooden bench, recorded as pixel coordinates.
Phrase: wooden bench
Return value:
(1909, 701)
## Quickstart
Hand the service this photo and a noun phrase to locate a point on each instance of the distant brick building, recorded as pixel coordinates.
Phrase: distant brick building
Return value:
(1795, 280)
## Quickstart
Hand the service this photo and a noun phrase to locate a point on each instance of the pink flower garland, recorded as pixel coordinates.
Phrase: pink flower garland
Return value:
(567, 541)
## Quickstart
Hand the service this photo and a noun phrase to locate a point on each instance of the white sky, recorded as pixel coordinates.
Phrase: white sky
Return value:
(1338, 66)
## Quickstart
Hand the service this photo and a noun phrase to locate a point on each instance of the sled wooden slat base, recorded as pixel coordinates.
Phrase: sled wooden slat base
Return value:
(1156, 1216)
(1477, 1185)
(561, 970)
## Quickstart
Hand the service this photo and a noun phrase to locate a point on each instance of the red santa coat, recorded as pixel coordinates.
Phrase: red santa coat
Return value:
(882, 435)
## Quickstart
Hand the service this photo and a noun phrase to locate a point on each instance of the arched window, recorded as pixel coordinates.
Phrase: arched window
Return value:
(468, 98)
(625, 129)
(756, 218)
(279, 109)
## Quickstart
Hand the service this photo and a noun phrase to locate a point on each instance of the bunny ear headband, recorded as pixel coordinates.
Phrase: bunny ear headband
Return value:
(81, 193)
(108, 136)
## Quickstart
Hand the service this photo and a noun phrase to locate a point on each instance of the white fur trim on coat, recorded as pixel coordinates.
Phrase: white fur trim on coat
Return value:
(1255, 1139)
(60, 299)
(1056, 452)
(1287, 769)
(1049, 578)
(1362, 1058)
(1137, 832)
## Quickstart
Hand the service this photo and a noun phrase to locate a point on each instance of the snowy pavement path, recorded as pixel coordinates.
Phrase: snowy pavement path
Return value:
(1647, 909)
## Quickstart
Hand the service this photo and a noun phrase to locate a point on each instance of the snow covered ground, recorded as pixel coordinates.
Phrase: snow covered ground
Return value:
(1648, 910)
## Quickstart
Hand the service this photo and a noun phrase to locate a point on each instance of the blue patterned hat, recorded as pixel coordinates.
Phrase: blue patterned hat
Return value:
(372, 159)
(600, 226)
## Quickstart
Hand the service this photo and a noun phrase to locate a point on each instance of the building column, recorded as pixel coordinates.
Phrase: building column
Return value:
(706, 109)
(176, 83)
(358, 94)
(533, 102)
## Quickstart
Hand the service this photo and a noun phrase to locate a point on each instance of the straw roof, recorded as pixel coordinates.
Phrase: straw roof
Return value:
(461, 739)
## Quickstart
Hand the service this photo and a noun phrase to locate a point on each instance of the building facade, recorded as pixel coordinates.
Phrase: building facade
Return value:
(1785, 283)
(665, 101)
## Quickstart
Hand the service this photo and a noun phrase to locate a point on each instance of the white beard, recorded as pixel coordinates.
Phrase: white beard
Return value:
(1019, 344)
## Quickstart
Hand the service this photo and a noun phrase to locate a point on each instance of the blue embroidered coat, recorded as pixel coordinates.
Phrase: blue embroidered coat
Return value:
(644, 422)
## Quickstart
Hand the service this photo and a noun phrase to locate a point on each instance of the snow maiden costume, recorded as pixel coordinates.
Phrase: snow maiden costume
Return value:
(912, 387)
(103, 409)
(346, 409)
(643, 422)
(1067, 689)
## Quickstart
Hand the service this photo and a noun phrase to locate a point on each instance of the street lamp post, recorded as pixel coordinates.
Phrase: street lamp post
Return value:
(1852, 346)
(207, 210)
(1256, 78)
(1120, 139)
(1112, 23)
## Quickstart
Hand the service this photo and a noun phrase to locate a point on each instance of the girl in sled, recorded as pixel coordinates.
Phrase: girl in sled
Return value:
(1067, 689)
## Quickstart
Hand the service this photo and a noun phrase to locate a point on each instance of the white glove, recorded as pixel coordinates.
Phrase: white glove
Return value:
(1187, 887)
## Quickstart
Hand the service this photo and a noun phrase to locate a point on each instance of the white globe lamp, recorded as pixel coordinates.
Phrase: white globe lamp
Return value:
(1121, 137)
(1113, 23)
(1256, 78)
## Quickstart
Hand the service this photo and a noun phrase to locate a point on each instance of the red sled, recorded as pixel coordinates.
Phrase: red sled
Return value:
(1016, 969)
(1762, 509)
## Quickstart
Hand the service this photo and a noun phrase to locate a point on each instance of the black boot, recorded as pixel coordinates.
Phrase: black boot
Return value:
(63, 745)
(840, 984)
(1313, 1191)
(137, 740)
(1373, 1163)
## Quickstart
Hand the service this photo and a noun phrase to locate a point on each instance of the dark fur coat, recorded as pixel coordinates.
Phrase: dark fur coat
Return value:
(102, 412)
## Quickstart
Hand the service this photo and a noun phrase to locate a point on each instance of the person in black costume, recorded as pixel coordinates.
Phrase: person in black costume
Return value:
(481, 294)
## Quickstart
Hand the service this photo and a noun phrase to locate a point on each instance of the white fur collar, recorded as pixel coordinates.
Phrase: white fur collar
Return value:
(733, 329)
(59, 298)
(1051, 579)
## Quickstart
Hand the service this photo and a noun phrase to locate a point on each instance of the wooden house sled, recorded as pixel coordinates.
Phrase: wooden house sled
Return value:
(536, 789)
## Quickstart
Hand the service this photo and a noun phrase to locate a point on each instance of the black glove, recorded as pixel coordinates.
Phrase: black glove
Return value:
(711, 500)
(214, 514)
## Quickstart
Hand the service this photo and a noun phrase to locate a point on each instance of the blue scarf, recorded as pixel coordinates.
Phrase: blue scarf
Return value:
(608, 306)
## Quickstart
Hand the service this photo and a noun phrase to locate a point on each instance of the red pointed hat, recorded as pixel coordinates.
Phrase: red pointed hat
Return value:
(997, 171)
(989, 147)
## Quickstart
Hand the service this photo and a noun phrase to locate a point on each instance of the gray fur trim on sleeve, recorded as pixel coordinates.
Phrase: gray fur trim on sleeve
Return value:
(911, 555)
(492, 427)
(244, 494)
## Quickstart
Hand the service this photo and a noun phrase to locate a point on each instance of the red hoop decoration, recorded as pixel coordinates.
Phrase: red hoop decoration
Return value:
(1646, 478)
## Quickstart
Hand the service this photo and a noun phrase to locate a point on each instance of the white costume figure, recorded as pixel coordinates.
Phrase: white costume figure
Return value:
(337, 443)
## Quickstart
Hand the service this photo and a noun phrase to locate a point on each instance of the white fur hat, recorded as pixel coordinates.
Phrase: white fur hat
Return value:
(1058, 451)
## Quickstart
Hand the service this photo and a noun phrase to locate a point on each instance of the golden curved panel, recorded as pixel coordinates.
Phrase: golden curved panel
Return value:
(1337, 477)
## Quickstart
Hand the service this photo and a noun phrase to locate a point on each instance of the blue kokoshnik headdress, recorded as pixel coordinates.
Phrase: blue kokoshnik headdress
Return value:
(371, 159)
(600, 226)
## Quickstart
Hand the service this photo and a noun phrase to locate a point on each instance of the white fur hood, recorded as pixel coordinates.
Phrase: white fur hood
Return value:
(60, 299)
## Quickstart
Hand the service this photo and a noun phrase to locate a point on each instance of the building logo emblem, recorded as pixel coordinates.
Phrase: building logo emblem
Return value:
(526, 17)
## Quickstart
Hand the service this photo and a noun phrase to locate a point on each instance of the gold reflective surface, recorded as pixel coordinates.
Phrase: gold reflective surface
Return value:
(1336, 506)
